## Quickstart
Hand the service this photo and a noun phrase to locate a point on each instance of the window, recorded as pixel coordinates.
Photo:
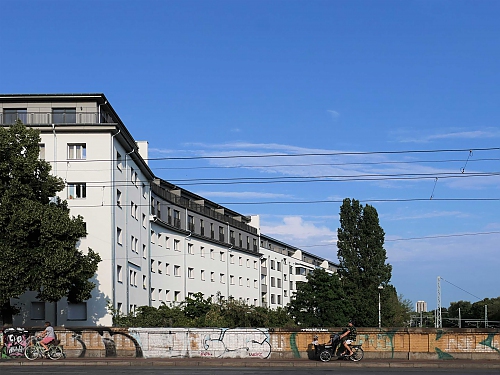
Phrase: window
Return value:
(77, 311)
(231, 279)
(278, 282)
(160, 271)
(231, 259)
(255, 264)
(119, 161)
(190, 273)
(222, 256)
(167, 269)
(240, 280)
(190, 249)
(152, 265)
(119, 236)
(279, 299)
(191, 223)
(177, 270)
(272, 264)
(212, 276)
(167, 295)
(118, 198)
(273, 299)
(278, 266)
(144, 191)
(221, 278)
(77, 151)
(77, 190)
(159, 240)
(177, 295)
(10, 116)
(152, 236)
(119, 276)
(231, 237)
(202, 275)
(144, 221)
(248, 263)
(285, 293)
(202, 251)
(177, 219)
(176, 245)
(37, 310)
(41, 153)
(152, 294)
(144, 281)
(273, 281)
(133, 244)
(133, 176)
(221, 234)
(248, 243)
(144, 251)
(64, 115)
(202, 227)
(248, 282)
(211, 253)
(255, 284)
(240, 261)
(133, 210)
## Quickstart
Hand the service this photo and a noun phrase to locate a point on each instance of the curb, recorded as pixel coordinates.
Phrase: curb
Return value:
(238, 363)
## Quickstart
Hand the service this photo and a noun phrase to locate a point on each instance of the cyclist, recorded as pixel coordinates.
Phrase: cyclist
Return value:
(48, 335)
(351, 334)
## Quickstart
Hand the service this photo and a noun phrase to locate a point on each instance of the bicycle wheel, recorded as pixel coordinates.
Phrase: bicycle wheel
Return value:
(325, 356)
(56, 353)
(31, 353)
(357, 354)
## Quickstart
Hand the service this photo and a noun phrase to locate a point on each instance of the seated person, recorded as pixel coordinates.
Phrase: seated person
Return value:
(48, 335)
(351, 334)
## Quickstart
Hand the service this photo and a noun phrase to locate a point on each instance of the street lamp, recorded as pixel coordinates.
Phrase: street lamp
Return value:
(380, 287)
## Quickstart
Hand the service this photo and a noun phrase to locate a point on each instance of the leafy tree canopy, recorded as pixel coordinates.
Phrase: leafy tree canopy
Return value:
(362, 259)
(38, 237)
(321, 301)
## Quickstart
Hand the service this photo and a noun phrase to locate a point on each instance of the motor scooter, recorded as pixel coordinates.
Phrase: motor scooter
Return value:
(335, 350)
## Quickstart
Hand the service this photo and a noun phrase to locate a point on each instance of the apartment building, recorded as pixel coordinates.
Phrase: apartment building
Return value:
(107, 182)
(159, 243)
(282, 267)
(200, 246)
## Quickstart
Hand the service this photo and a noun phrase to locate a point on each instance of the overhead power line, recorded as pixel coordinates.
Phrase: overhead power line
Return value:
(261, 156)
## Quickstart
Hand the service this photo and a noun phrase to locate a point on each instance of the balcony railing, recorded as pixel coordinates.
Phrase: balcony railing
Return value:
(48, 118)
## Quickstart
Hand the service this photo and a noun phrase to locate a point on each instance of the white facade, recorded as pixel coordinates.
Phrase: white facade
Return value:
(158, 243)
(421, 306)
(107, 182)
(282, 266)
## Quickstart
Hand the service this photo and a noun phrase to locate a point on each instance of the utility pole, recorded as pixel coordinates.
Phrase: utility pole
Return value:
(439, 318)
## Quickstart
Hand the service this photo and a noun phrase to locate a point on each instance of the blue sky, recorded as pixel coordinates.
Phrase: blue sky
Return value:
(357, 84)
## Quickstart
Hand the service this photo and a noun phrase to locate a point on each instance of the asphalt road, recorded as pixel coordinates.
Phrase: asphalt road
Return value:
(119, 370)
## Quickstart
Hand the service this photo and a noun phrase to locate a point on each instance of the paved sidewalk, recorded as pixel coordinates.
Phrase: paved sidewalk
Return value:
(238, 362)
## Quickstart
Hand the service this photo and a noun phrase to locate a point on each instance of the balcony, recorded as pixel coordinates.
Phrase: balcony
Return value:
(49, 118)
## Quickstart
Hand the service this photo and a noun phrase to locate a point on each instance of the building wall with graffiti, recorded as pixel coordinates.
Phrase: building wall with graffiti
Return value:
(263, 343)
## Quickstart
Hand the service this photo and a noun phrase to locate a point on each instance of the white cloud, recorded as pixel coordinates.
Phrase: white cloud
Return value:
(335, 115)
(411, 136)
(296, 228)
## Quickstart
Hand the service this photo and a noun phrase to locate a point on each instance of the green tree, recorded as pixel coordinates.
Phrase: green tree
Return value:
(362, 259)
(320, 302)
(38, 237)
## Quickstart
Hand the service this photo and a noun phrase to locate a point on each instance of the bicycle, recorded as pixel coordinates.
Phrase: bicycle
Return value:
(35, 350)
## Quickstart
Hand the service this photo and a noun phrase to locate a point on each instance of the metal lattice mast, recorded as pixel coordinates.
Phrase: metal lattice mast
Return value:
(439, 318)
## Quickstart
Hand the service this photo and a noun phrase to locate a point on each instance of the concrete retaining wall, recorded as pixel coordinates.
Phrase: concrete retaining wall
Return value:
(263, 343)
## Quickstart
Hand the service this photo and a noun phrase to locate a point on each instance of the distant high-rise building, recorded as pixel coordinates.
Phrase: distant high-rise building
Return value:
(421, 306)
